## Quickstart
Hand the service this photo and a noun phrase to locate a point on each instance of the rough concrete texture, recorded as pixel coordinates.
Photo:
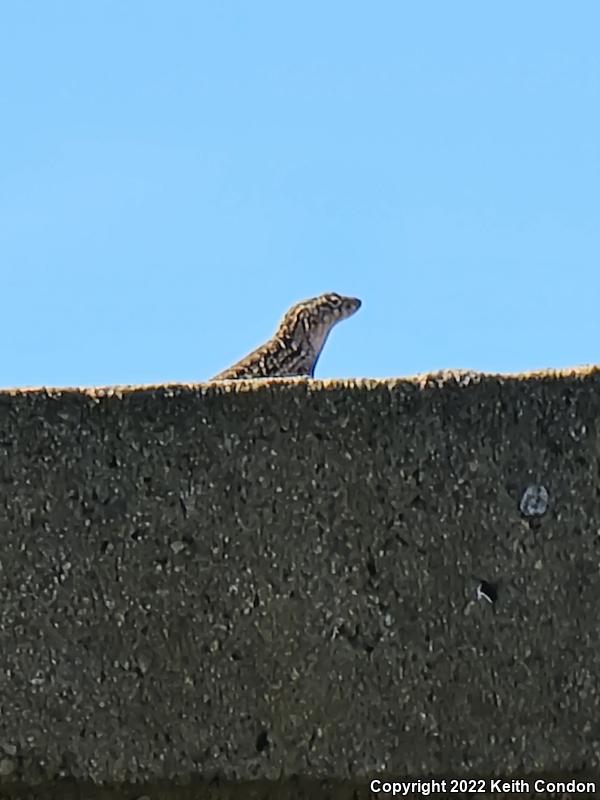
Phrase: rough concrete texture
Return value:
(268, 580)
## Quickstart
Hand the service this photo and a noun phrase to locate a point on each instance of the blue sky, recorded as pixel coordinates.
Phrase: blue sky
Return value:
(174, 175)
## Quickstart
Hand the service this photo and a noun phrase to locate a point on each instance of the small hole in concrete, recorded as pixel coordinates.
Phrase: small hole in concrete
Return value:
(262, 741)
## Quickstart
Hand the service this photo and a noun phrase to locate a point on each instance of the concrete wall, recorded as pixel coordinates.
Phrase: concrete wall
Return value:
(268, 580)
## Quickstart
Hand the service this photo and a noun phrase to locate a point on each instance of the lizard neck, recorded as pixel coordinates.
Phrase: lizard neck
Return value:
(306, 347)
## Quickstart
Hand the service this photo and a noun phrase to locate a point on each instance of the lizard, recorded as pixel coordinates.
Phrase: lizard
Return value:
(298, 341)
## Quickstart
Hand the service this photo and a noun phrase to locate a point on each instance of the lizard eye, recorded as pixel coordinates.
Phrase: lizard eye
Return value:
(334, 300)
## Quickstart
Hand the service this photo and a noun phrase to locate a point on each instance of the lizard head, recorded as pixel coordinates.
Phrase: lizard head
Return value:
(310, 321)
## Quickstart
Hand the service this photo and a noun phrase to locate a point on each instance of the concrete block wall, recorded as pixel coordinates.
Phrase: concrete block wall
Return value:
(277, 582)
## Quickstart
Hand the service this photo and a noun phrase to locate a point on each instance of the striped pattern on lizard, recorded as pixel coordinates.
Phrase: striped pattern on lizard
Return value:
(298, 341)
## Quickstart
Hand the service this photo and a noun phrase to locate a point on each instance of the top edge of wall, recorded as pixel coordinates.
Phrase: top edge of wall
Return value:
(450, 376)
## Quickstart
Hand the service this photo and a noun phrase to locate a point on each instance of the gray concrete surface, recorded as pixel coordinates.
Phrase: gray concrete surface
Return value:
(275, 580)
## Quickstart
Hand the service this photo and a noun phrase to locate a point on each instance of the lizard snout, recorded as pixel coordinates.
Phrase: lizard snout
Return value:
(351, 305)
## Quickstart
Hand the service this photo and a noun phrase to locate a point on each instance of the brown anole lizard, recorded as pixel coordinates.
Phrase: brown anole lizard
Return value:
(298, 341)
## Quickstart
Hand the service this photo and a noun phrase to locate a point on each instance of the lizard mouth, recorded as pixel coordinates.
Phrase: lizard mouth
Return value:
(351, 305)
